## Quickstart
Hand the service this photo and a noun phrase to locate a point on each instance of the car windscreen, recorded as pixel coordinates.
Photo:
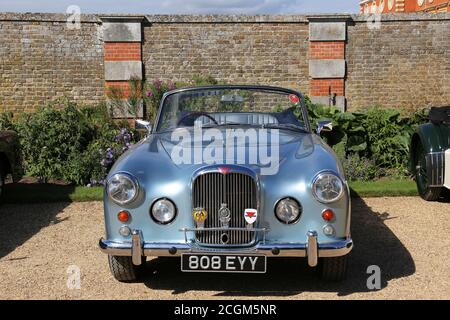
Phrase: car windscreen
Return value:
(231, 107)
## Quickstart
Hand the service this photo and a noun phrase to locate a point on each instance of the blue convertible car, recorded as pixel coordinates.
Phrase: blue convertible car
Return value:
(228, 177)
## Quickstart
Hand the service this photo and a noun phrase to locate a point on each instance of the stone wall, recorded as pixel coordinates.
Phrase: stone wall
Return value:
(240, 53)
(40, 59)
(405, 63)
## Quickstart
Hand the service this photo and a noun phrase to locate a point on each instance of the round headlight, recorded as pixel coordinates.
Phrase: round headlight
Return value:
(163, 211)
(327, 187)
(122, 188)
(288, 210)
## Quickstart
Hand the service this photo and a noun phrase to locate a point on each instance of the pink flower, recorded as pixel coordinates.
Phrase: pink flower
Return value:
(157, 83)
(149, 94)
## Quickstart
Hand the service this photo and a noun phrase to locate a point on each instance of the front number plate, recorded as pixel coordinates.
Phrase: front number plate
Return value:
(191, 262)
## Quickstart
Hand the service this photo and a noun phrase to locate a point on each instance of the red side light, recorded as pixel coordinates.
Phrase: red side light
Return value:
(328, 215)
(123, 216)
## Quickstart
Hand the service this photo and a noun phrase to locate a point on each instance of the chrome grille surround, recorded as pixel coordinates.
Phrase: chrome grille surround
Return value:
(239, 189)
(435, 162)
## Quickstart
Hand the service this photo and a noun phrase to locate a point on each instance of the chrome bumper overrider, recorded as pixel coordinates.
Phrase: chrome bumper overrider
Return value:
(310, 249)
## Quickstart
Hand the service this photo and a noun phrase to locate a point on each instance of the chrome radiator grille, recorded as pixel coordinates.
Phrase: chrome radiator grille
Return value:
(436, 168)
(238, 191)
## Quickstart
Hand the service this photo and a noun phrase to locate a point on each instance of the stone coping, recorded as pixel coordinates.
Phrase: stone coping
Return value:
(97, 18)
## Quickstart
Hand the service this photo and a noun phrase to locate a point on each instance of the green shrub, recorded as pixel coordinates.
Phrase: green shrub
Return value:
(388, 138)
(70, 143)
(51, 138)
(361, 169)
(381, 135)
(6, 121)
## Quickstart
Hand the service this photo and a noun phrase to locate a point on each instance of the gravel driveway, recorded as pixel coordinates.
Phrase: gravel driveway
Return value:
(409, 239)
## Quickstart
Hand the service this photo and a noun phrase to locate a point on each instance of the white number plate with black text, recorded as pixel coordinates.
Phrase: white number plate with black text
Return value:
(195, 262)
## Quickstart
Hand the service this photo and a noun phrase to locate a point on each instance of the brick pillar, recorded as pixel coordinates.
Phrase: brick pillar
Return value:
(122, 38)
(327, 66)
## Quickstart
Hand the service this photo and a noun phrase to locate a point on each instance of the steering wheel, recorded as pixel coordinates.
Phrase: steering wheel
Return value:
(197, 115)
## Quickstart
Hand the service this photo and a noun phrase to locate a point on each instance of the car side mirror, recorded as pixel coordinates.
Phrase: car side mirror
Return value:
(324, 126)
(142, 124)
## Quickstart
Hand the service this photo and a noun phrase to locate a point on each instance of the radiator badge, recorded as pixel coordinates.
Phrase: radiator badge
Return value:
(200, 215)
(224, 216)
(250, 215)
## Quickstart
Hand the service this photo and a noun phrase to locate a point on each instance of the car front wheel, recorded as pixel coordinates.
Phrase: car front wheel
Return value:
(123, 268)
(423, 186)
(333, 269)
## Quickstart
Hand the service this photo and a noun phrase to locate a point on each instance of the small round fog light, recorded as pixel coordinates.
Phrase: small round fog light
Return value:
(124, 231)
(328, 230)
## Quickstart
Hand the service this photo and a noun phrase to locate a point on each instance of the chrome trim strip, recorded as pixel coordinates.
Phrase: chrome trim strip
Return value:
(447, 169)
(435, 162)
(334, 249)
(349, 211)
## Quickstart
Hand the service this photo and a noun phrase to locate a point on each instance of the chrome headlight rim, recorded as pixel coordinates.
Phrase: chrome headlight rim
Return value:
(320, 175)
(297, 219)
(135, 182)
(175, 214)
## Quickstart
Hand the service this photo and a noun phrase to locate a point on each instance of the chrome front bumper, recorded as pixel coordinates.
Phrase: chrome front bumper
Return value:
(136, 248)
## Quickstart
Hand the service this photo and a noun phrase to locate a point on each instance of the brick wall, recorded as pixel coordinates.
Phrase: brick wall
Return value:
(402, 64)
(40, 59)
(327, 50)
(241, 53)
(122, 51)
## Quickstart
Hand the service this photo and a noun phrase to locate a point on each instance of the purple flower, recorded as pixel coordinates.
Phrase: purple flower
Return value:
(149, 94)
(158, 84)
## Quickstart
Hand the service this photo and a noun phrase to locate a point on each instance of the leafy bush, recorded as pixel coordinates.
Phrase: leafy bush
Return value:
(51, 138)
(362, 169)
(6, 121)
(71, 144)
(387, 138)
(381, 136)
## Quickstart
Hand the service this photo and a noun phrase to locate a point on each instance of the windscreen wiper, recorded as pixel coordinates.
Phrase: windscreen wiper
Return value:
(213, 125)
(284, 126)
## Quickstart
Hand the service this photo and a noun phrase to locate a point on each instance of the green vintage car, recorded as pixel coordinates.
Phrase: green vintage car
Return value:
(10, 159)
(430, 154)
